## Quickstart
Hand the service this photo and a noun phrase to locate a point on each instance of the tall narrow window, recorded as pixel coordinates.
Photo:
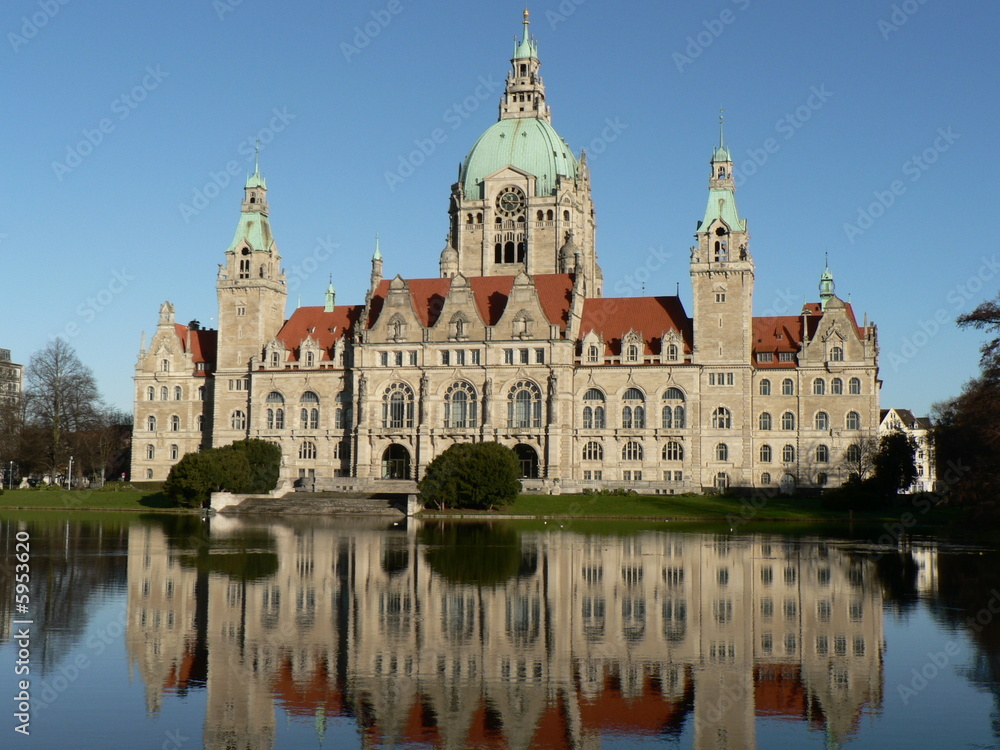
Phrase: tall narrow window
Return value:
(460, 406)
(524, 405)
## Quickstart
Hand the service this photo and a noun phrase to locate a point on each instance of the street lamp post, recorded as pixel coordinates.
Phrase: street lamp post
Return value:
(69, 479)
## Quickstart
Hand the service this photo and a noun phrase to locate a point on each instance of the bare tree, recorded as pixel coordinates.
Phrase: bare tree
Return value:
(859, 458)
(62, 398)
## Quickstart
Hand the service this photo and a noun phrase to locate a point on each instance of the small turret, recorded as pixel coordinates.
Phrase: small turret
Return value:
(826, 286)
(449, 260)
(376, 264)
(331, 296)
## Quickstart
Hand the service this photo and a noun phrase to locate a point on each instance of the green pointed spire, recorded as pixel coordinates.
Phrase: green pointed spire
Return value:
(826, 285)
(526, 47)
(722, 153)
(255, 180)
(331, 296)
(377, 255)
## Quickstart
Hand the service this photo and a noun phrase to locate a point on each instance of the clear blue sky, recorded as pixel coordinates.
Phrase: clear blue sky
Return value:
(827, 104)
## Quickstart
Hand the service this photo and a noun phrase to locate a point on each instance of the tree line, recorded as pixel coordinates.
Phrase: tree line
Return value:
(967, 426)
(61, 414)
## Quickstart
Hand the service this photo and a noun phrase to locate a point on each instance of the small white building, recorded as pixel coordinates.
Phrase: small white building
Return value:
(920, 428)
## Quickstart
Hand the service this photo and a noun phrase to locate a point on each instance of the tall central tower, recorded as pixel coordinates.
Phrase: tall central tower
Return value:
(522, 201)
(722, 272)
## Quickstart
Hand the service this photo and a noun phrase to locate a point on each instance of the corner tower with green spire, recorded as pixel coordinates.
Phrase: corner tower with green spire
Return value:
(521, 192)
(722, 271)
(251, 285)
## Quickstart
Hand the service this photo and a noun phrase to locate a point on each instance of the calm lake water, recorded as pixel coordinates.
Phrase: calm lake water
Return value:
(170, 632)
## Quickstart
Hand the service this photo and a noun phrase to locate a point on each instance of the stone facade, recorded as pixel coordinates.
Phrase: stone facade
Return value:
(11, 378)
(514, 341)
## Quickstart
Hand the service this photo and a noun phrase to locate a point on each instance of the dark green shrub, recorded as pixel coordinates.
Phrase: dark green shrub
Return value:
(472, 475)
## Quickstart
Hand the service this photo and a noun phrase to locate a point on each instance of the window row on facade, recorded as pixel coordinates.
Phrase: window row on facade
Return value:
(819, 387)
(178, 393)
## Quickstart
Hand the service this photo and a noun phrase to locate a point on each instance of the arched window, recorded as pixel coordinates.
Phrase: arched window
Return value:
(238, 420)
(854, 453)
(200, 422)
(821, 479)
(593, 451)
(837, 354)
(307, 450)
(593, 413)
(309, 414)
(151, 423)
(150, 452)
(175, 423)
(822, 454)
(673, 451)
(787, 387)
(164, 365)
(819, 387)
(765, 421)
(837, 387)
(524, 405)
(245, 268)
(593, 354)
(853, 420)
(788, 421)
(632, 353)
(854, 386)
(673, 416)
(632, 451)
(175, 452)
(672, 352)
(634, 411)
(766, 454)
(788, 454)
(668, 417)
(397, 406)
(765, 387)
(151, 394)
(164, 393)
(722, 452)
(178, 393)
(274, 398)
(822, 420)
(460, 406)
(342, 414)
(722, 418)
(275, 359)
(765, 478)
(310, 359)
(201, 393)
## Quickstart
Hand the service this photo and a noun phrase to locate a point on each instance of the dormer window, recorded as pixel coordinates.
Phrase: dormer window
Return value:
(632, 353)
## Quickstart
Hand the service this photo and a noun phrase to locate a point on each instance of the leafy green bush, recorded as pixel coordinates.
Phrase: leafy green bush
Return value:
(265, 464)
(245, 467)
(472, 475)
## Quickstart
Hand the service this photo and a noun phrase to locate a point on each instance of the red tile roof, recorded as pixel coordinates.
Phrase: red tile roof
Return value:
(489, 292)
(326, 327)
(783, 333)
(204, 343)
(613, 317)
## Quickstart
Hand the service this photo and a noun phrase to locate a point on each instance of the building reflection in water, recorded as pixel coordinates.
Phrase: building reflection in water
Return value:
(637, 635)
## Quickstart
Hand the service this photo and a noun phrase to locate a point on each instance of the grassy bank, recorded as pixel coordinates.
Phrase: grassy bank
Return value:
(127, 499)
(700, 508)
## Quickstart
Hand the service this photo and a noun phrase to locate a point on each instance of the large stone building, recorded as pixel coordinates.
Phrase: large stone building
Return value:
(11, 378)
(513, 341)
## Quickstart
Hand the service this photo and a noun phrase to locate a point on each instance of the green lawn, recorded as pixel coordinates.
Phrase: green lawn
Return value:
(696, 507)
(140, 500)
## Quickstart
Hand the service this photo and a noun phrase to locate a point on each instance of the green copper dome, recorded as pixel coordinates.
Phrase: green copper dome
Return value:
(529, 144)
